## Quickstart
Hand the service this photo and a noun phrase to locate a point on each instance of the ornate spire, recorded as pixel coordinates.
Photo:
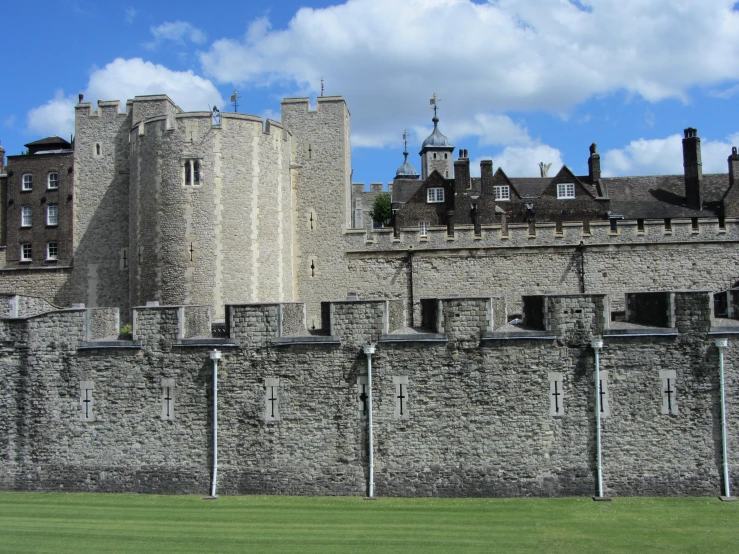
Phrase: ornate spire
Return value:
(406, 170)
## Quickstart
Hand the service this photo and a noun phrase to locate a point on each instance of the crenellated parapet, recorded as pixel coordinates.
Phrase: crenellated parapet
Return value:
(615, 232)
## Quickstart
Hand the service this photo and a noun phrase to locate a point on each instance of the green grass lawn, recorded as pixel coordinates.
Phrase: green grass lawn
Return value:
(59, 522)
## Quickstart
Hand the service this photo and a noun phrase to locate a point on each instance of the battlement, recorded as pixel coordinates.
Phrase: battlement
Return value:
(104, 109)
(571, 318)
(547, 234)
(304, 102)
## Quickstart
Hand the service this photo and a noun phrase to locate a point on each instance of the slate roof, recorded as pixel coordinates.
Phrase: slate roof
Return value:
(59, 142)
(404, 189)
(662, 196)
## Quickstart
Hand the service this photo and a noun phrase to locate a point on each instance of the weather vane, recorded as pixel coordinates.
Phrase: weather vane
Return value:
(434, 102)
(405, 139)
(235, 100)
(321, 86)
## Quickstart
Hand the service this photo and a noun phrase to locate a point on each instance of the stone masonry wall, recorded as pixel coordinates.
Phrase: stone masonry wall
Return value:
(475, 419)
(101, 203)
(322, 183)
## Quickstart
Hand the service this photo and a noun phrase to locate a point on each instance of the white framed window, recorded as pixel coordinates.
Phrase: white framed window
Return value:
(26, 252)
(502, 193)
(27, 182)
(565, 190)
(423, 228)
(192, 172)
(26, 216)
(52, 215)
(52, 251)
(52, 180)
(435, 195)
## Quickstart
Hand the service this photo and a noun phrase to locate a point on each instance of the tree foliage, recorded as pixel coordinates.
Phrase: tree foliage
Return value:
(381, 210)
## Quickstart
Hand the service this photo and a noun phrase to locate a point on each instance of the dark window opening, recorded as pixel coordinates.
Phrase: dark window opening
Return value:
(694, 222)
(614, 225)
(640, 225)
(722, 222)
(668, 224)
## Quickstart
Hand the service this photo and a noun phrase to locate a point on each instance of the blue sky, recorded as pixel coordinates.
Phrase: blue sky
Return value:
(520, 81)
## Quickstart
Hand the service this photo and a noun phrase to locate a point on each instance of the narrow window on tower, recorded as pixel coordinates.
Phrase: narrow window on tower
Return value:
(271, 399)
(124, 258)
(556, 395)
(86, 402)
(362, 397)
(669, 391)
(401, 397)
(196, 172)
(167, 413)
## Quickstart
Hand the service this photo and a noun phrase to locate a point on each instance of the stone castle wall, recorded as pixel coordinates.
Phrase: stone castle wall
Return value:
(476, 415)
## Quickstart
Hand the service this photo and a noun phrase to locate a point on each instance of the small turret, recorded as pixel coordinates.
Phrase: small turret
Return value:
(436, 151)
(406, 171)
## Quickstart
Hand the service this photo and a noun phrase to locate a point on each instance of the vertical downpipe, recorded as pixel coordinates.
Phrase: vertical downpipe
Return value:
(721, 344)
(368, 351)
(410, 282)
(597, 344)
(215, 355)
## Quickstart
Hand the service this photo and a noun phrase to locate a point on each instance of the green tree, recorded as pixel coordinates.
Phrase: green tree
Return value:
(381, 210)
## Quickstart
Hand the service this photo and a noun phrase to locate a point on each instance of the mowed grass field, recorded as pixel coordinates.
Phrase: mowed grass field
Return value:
(65, 522)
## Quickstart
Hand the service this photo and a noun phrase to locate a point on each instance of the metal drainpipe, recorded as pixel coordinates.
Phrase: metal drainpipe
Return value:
(368, 351)
(215, 355)
(597, 344)
(721, 344)
(410, 279)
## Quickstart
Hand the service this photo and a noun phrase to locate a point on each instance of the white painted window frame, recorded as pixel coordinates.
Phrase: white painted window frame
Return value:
(565, 191)
(25, 258)
(49, 255)
(423, 228)
(26, 216)
(52, 220)
(435, 195)
(27, 182)
(502, 193)
(52, 180)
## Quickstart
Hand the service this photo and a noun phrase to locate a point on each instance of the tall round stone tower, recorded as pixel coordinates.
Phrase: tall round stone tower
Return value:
(210, 208)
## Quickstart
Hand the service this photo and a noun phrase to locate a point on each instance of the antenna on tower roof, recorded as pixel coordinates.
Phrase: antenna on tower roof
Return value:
(235, 100)
(321, 86)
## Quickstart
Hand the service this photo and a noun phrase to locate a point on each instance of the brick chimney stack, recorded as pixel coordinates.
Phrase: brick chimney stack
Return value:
(693, 169)
(733, 166)
(486, 174)
(2, 158)
(462, 171)
(594, 163)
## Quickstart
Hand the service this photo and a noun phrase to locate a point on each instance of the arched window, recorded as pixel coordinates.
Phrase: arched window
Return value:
(196, 172)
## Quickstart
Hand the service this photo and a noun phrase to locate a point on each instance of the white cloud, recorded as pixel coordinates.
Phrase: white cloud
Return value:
(177, 31)
(120, 80)
(56, 117)
(130, 14)
(664, 156)
(483, 58)
(522, 161)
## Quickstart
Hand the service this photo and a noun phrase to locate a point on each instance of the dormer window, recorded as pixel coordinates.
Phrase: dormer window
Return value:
(565, 191)
(27, 182)
(502, 193)
(434, 195)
